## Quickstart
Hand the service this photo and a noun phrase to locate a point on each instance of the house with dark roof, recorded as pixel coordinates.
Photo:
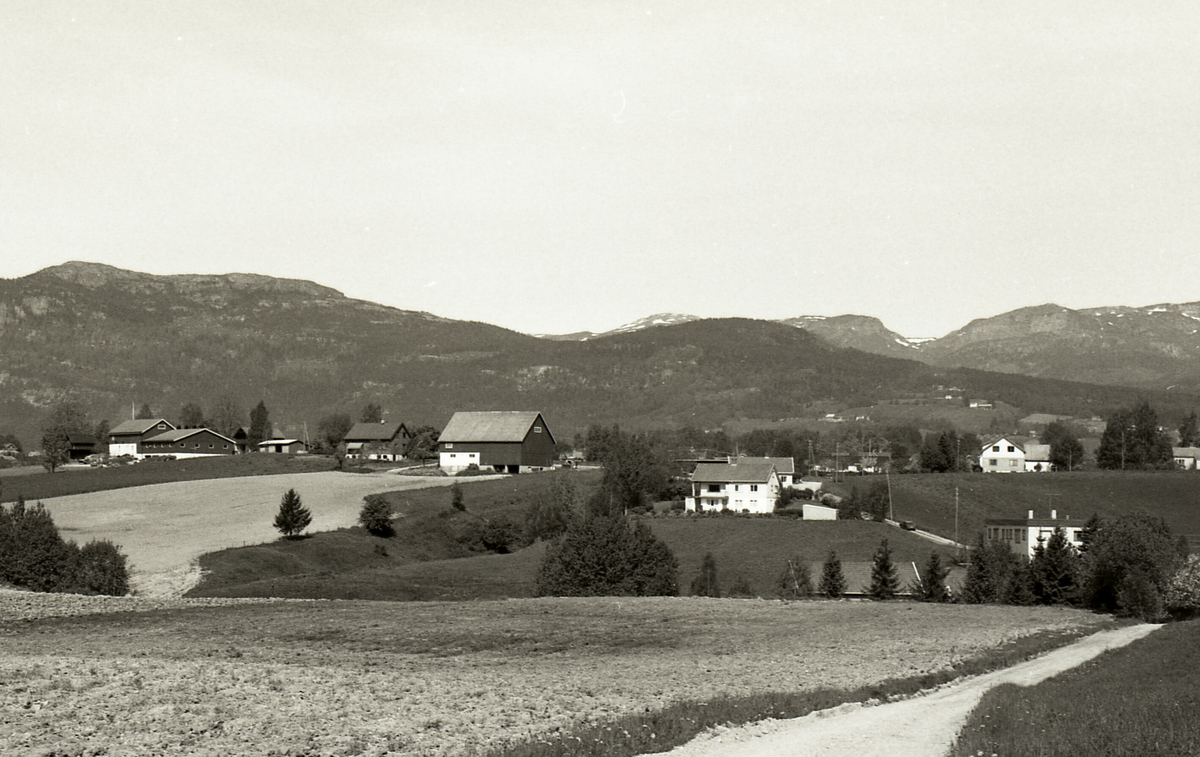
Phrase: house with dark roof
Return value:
(128, 436)
(188, 442)
(751, 485)
(507, 441)
(376, 441)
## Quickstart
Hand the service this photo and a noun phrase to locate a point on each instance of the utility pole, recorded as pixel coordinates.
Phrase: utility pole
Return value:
(891, 511)
(956, 544)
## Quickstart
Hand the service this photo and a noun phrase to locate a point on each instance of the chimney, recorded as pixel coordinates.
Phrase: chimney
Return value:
(1054, 515)
(1031, 515)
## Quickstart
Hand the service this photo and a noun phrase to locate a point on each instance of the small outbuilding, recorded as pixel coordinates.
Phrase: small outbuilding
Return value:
(511, 441)
(282, 446)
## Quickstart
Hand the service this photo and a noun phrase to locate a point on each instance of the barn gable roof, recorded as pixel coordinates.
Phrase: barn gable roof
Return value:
(374, 432)
(179, 434)
(138, 426)
(492, 426)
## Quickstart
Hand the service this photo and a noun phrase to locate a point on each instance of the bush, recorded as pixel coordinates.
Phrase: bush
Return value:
(101, 568)
(33, 555)
(456, 497)
(1183, 592)
(603, 556)
(742, 588)
(376, 515)
(1129, 565)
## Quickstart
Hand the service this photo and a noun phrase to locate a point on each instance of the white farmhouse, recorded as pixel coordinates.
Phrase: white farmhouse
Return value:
(1002, 455)
(747, 486)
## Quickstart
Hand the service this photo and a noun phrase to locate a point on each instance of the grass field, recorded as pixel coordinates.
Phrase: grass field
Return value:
(452, 678)
(424, 561)
(72, 480)
(927, 499)
(1142, 699)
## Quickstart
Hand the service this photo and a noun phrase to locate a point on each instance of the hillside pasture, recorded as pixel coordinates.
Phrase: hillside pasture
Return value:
(164, 528)
(449, 678)
(927, 499)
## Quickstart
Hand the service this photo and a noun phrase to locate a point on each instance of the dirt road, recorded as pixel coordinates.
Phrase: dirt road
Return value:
(164, 528)
(924, 726)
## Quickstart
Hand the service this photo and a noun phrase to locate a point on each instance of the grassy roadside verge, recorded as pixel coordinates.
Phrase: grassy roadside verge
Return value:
(1140, 699)
(681, 722)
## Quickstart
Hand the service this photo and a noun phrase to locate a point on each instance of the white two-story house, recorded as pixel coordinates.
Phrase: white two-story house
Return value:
(747, 486)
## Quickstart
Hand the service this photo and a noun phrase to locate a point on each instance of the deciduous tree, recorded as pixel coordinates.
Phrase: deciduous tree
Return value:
(1066, 451)
(376, 515)
(371, 413)
(1133, 440)
(260, 425)
(705, 584)
(191, 415)
(333, 428)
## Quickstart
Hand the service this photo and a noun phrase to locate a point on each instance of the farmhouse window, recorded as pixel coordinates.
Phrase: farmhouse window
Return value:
(996, 448)
(537, 429)
(753, 487)
(714, 487)
(449, 445)
(1012, 448)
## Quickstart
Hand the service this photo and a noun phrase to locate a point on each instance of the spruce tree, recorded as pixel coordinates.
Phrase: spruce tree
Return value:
(932, 586)
(293, 517)
(884, 582)
(1054, 570)
(833, 582)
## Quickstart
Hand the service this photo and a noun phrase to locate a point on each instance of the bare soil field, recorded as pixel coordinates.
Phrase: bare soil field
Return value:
(164, 528)
(231, 677)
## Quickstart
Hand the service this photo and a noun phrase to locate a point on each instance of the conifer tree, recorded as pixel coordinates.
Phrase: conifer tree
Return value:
(884, 582)
(293, 517)
(1054, 570)
(932, 586)
(833, 582)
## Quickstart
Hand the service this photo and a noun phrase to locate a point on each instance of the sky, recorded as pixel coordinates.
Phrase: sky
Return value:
(578, 164)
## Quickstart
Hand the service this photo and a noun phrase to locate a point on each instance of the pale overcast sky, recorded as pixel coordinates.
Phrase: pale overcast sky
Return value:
(568, 165)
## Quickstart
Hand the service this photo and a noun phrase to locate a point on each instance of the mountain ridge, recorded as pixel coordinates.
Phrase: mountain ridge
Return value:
(112, 339)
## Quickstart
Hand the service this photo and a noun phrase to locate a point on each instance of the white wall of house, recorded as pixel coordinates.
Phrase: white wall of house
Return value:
(453, 462)
(739, 497)
(1002, 456)
(124, 448)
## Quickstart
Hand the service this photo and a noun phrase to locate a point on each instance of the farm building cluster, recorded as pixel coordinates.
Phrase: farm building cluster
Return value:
(509, 441)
